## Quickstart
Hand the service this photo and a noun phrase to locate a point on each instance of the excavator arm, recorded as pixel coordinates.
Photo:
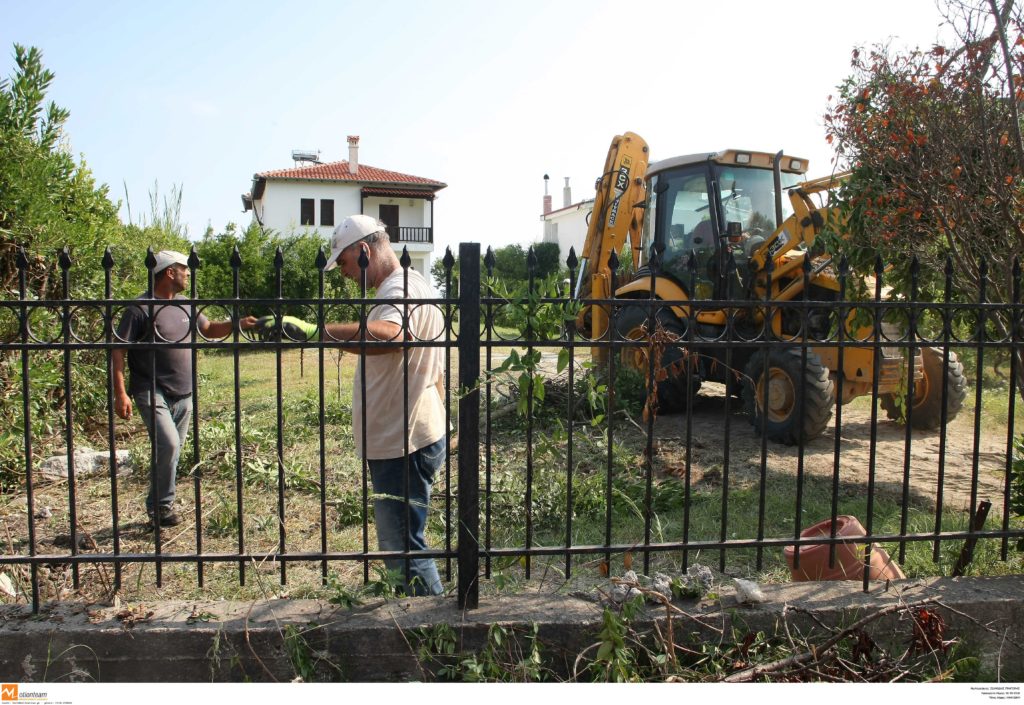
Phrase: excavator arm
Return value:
(617, 214)
(806, 222)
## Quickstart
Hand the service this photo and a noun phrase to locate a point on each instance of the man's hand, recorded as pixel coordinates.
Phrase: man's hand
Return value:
(122, 405)
(293, 328)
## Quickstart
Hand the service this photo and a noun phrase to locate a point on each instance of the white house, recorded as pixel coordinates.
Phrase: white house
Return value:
(566, 226)
(318, 196)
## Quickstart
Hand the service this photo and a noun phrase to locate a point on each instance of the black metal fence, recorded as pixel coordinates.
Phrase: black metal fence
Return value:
(574, 482)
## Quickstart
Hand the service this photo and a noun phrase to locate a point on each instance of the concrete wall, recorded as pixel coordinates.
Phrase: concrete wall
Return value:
(220, 641)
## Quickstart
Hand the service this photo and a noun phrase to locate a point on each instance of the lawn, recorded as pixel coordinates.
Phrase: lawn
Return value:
(307, 507)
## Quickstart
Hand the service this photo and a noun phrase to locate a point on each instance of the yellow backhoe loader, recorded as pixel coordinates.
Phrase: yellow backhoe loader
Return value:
(735, 230)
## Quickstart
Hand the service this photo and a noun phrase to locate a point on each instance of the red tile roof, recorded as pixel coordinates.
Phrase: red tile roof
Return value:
(338, 171)
(574, 207)
(397, 193)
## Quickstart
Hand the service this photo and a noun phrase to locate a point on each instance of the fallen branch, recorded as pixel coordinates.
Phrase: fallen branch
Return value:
(816, 655)
(412, 651)
(252, 651)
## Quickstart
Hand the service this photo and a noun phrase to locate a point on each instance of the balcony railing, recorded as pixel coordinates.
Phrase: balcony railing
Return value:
(409, 234)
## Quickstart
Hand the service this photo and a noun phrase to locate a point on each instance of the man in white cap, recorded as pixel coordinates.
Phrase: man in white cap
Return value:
(165, 402)
(405, 446)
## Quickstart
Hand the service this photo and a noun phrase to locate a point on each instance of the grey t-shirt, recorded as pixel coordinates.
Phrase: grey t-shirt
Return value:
(171, 325)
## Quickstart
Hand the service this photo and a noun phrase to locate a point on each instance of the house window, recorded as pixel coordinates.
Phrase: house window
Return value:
(326, 211)
(306, 212)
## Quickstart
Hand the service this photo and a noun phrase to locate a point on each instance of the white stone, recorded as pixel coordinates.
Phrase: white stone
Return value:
(88, 462)
(748, 591)
(662, 585)
(6, 586)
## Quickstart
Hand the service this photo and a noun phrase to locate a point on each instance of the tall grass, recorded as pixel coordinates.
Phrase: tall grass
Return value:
(331, 496)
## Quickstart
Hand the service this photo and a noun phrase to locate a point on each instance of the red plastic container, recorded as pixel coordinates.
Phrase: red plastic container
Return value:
(849, 563)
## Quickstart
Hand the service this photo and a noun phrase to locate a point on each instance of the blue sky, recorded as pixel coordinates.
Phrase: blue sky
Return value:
(487, 97)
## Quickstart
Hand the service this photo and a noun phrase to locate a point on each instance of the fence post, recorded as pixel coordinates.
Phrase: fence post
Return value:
(469, 424)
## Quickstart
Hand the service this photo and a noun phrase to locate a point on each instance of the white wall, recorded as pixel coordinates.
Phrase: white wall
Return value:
(571, 228)
(409, 216)
(279, 209)
(421, 263)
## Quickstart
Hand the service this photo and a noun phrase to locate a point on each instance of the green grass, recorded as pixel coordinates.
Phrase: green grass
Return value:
(344, 512)
(702, 520)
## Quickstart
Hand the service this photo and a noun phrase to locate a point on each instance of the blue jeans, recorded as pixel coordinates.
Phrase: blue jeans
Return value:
(400, 526)
(168, 437)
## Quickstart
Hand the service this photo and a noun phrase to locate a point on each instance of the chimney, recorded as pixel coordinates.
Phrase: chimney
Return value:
(547, 198)
(566, 194)
(353, 154)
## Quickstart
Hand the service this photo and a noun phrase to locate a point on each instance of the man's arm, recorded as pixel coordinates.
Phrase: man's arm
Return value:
(375, 331)
(303, 331)
(221, 329)
(122, 402)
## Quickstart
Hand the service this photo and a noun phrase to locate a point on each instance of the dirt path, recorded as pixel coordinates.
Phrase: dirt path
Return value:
(854, 453)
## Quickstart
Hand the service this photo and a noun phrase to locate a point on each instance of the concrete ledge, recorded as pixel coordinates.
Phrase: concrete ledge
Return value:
(222, 641)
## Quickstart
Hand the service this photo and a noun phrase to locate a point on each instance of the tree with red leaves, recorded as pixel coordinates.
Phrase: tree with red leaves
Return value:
(933, 140)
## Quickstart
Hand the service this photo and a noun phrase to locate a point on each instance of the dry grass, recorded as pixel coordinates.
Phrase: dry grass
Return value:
(341, 514)
(215, 483)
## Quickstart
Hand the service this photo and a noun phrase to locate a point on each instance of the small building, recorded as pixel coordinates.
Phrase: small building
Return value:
(318, 196)
(566, 226)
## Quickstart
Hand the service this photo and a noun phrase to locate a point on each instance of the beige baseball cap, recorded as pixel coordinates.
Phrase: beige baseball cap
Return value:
(353, 229)
(165, 258)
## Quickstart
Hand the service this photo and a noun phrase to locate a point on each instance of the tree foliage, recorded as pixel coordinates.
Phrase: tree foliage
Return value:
(257, 273)
(439, 276)
(933, 141)
(511, 262)
(47, 200)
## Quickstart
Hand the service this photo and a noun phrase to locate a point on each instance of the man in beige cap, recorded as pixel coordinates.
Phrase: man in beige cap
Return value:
(404, 446)
(165, 402)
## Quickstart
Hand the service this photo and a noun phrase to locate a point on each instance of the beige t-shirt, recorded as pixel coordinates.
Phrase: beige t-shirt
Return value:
(385, 375)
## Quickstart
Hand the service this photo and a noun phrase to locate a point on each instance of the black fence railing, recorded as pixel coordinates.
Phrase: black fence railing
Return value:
(565, 452)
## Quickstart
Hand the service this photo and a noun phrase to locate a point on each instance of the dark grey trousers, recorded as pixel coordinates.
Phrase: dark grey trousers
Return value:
(167, 422)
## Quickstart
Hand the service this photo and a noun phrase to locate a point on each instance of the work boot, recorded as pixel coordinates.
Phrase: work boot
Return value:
(168, 517)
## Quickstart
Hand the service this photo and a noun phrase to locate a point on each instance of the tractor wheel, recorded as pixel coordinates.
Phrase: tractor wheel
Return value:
(632, 324)
(788, 386)
(927, 411)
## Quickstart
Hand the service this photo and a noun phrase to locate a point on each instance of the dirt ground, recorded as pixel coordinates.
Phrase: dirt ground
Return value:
(854, 452)
(710, 440)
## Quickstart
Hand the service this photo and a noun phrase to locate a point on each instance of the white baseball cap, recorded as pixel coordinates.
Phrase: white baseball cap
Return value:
(353, 229)
(165, 258)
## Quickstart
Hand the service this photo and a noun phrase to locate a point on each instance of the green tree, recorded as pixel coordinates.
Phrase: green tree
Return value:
(215, 277)
(163, 230)
(511, 261)
(47, 200)
(438, 273)
(547, 258)
(257, 275)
